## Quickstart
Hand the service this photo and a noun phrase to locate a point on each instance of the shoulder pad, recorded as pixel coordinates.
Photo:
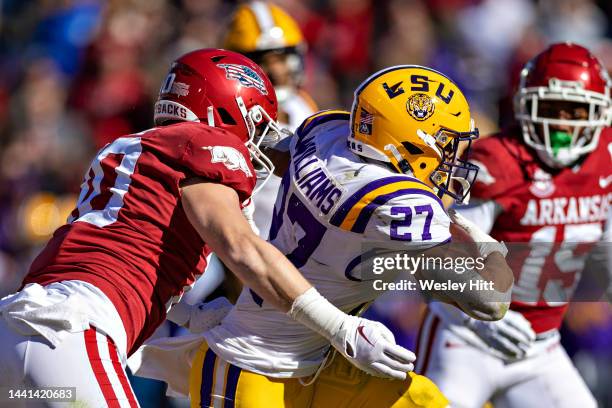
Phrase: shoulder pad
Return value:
(319, 118)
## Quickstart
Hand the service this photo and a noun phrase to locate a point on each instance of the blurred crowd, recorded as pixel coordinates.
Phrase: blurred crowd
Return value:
(75, 74)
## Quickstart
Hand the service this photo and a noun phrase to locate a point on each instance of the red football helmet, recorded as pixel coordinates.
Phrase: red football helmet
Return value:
(223, 89)
(565, 75)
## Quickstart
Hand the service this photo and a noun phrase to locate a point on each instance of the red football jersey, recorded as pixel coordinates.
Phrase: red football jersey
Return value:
(558, 215)
(129, 235)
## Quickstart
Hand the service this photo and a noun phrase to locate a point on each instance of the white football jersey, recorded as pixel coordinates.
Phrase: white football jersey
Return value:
(332, 209)
(297, 106)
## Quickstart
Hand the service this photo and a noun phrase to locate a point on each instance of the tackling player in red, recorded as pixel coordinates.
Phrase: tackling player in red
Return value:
(545, 184)
(152, 207)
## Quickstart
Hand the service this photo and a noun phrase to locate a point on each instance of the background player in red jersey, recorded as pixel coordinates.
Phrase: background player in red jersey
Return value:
(551, 190)
(152, 207)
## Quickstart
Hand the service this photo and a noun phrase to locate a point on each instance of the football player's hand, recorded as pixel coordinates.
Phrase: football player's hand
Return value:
(205, 316)
(368, 345)
(511, 336)
(371, 347)
(485, 243)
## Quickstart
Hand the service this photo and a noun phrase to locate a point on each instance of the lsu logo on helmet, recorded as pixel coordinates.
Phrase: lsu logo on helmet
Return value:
(417, 120)
(420, 106)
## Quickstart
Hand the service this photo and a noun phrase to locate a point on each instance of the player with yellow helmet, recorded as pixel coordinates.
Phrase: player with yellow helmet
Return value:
(370, 178)
(265, 33)
(272, 38)
(428, 146)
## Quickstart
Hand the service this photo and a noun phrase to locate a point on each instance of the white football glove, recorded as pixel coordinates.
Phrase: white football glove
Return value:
(485, 243)
(371, 346)
(201, 316)
(511, 336)
(205, 316)
(366, 344)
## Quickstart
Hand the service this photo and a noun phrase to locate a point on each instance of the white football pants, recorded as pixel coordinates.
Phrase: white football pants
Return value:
(469, 377)
(87, 360)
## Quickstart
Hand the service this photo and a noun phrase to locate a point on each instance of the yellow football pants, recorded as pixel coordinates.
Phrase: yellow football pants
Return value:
(342, 385)
(216, 383)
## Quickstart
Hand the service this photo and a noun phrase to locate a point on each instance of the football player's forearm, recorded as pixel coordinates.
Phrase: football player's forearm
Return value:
(474, 305)
(261, 267)
(214, 211)
(490, 284)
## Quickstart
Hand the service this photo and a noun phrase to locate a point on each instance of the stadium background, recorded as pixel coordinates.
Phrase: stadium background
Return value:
(75, 74)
